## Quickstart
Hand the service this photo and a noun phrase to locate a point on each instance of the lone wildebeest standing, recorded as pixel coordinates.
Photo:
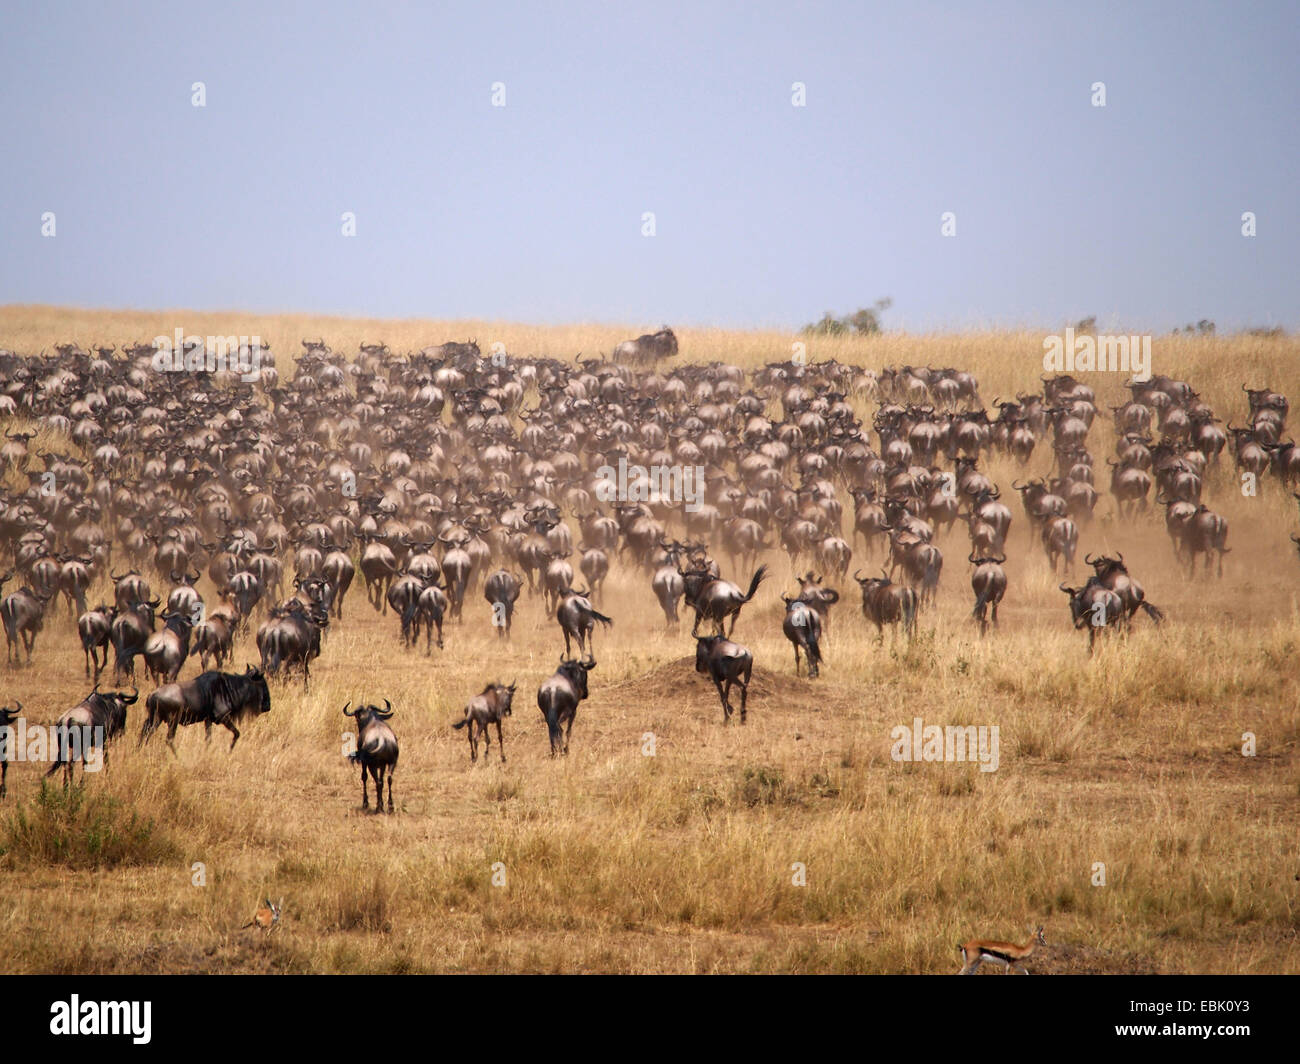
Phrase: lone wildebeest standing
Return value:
(803, 627)
(7, 717)
(487, 707)
(210, 698)
(727, 664)
(558, 699)
(89, 726)
(376, 751)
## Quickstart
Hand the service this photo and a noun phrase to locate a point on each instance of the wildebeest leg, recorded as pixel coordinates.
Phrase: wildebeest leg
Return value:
(365, 798)
(568, 731)
(501, 743)
(473, 740)
(390, 788)
(171, 735)
(744, 695)
(230, 725)
(796, 659)
(726, 707)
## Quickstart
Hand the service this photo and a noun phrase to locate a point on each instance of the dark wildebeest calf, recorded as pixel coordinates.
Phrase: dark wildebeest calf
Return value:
(727, 664)
(487, 707)
(376, 751)
(558, 699)
(210, 698)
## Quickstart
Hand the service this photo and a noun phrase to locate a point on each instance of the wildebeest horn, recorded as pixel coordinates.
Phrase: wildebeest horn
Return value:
(1087, 559)
(971, 558)
(345, 709)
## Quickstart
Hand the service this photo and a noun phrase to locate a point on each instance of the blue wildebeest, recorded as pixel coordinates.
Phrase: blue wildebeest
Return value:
(884, 602)
(165, 652)
(577, 618)
(94, 627)
(376, 751)
(1095, 607)
(717, 599)
(88, 726)
(989, 582)
(501, 590)
(727, 664)
(558, 699)
(210, 698)
(130, 630)
(291, 638)
(487, 707)
(803, 627)
(23, 615)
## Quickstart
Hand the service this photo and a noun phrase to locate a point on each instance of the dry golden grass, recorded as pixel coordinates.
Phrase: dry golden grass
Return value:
(682, 862)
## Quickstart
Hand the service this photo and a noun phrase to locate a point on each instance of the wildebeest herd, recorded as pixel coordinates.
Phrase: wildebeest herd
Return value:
(441, 475)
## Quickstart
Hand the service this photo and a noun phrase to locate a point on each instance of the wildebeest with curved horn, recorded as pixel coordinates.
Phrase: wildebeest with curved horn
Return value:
(210, 698)
(884, 602)
(376, 750)
(88, 726)
(1094, 607)
(717, 599)
(803, 627)
(558, 699)
(728, 665)
(489, 706)
(1113, 574)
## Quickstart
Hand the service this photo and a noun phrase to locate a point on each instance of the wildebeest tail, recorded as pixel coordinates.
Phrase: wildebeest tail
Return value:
(982, 600)
(461, 723)
(606, 621)
(1154, 612)
(759, 575)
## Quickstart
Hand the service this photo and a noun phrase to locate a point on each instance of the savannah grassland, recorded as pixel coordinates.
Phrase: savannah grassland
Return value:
(682, 862)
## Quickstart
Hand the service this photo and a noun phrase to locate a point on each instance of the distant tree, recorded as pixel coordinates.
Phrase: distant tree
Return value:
(865, 321)
(1086, 325)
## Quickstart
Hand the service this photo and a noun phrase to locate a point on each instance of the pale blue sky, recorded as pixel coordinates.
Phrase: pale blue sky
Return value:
(766, 214)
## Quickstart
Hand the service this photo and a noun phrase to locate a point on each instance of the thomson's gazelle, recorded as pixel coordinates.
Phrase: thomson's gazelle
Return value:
(1008, 954)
